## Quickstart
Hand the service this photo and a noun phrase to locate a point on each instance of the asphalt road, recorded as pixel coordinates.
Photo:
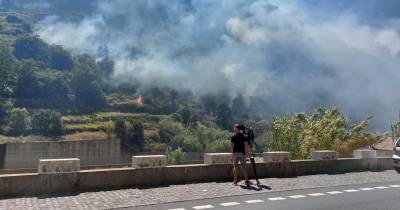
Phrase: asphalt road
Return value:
(369, 196)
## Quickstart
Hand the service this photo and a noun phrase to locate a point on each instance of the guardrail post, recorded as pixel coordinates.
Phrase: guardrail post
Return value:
(59, 175)
(149, 161)
(324, 155)
(276, 156)
(364, 153)
(217, 158)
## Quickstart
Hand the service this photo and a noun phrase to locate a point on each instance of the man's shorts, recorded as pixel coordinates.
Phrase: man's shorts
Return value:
(239, 157)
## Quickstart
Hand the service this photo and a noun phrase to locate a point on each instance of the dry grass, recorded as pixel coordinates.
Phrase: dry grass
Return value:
(100, 135)
(107, 116)
(150, 133)
(22, 139)
(156, 147)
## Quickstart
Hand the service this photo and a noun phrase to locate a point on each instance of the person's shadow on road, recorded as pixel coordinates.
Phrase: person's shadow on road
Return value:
(256, 187)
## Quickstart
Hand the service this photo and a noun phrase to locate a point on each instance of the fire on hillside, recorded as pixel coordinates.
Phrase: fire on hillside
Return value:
(139, 101)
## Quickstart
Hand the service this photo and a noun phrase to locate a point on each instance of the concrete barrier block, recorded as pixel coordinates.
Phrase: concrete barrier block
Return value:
(149, 161)
(324, 155)
(364, 153)
(276, 157)
(59, 166)
(217, 158)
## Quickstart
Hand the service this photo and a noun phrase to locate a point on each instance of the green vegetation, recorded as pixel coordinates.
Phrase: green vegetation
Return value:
(47, 123)
(19, 122)
(323, 129)
(396, 128)
(48, 93)
(175, 156)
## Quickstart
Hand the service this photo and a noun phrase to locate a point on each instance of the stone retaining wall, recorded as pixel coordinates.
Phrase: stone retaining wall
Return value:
(90, 152)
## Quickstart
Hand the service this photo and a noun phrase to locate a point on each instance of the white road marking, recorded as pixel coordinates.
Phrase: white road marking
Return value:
(316, 194)
(254, 201)
(366, 189)
(351, 190)
(292, 196)
(204, 207)
(334, 192)
(229, 204)
(297, 196)
(276, 199)
(381, 187)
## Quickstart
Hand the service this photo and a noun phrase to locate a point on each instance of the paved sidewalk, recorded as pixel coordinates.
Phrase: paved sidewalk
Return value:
(172, 193)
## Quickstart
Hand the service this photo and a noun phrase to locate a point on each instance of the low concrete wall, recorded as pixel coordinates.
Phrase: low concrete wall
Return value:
(149, 161)
(108, 179)
(217, 158)
(276, 156)
(384, 153)
(90, 152)
(324, 155)
(57, 166)
(364, 153)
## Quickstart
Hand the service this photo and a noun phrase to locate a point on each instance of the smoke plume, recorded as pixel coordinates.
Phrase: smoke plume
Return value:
(295, 54)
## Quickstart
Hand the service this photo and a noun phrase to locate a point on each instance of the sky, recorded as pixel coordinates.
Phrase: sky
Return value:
(297, 55)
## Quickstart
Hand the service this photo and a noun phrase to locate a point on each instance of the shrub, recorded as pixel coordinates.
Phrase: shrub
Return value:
(32, 47)
(396, 128)
(221, 145)
(121, 129)
(47, 122)
(136, 134)
(130, 132)
(19, 121)
(175, 156)
(323, 129)
(169, 129)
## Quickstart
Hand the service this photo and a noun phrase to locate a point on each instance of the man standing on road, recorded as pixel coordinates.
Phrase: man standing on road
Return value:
(238, 148)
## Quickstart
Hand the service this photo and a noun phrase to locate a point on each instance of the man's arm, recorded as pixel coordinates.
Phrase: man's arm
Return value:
(232, 145)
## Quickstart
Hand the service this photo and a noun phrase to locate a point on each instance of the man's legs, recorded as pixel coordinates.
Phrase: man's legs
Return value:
(243, 165)
(246, 177)
(235, 168)
(235, 174)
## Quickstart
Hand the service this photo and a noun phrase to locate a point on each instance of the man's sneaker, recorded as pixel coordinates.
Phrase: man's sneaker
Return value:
(235, 183)
(248, 182)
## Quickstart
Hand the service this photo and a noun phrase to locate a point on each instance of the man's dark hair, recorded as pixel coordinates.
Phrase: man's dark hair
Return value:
(240, 127)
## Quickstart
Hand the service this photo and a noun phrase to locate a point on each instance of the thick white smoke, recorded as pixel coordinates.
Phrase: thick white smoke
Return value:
(283, 51)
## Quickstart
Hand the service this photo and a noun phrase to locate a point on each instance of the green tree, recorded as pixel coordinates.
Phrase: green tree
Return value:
(26, 27)
(186, 115)
(131, 133)
(47, 123)
(19, 122)
(87, 85)
(6, 106)
(60, 59)
(32, 47)
(44, 89)
(169, 129)
(121, 129)
(9, 71)
(13, 19)
(136, 134)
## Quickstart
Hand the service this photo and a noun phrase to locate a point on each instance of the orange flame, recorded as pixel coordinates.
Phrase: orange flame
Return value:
(139, 101)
